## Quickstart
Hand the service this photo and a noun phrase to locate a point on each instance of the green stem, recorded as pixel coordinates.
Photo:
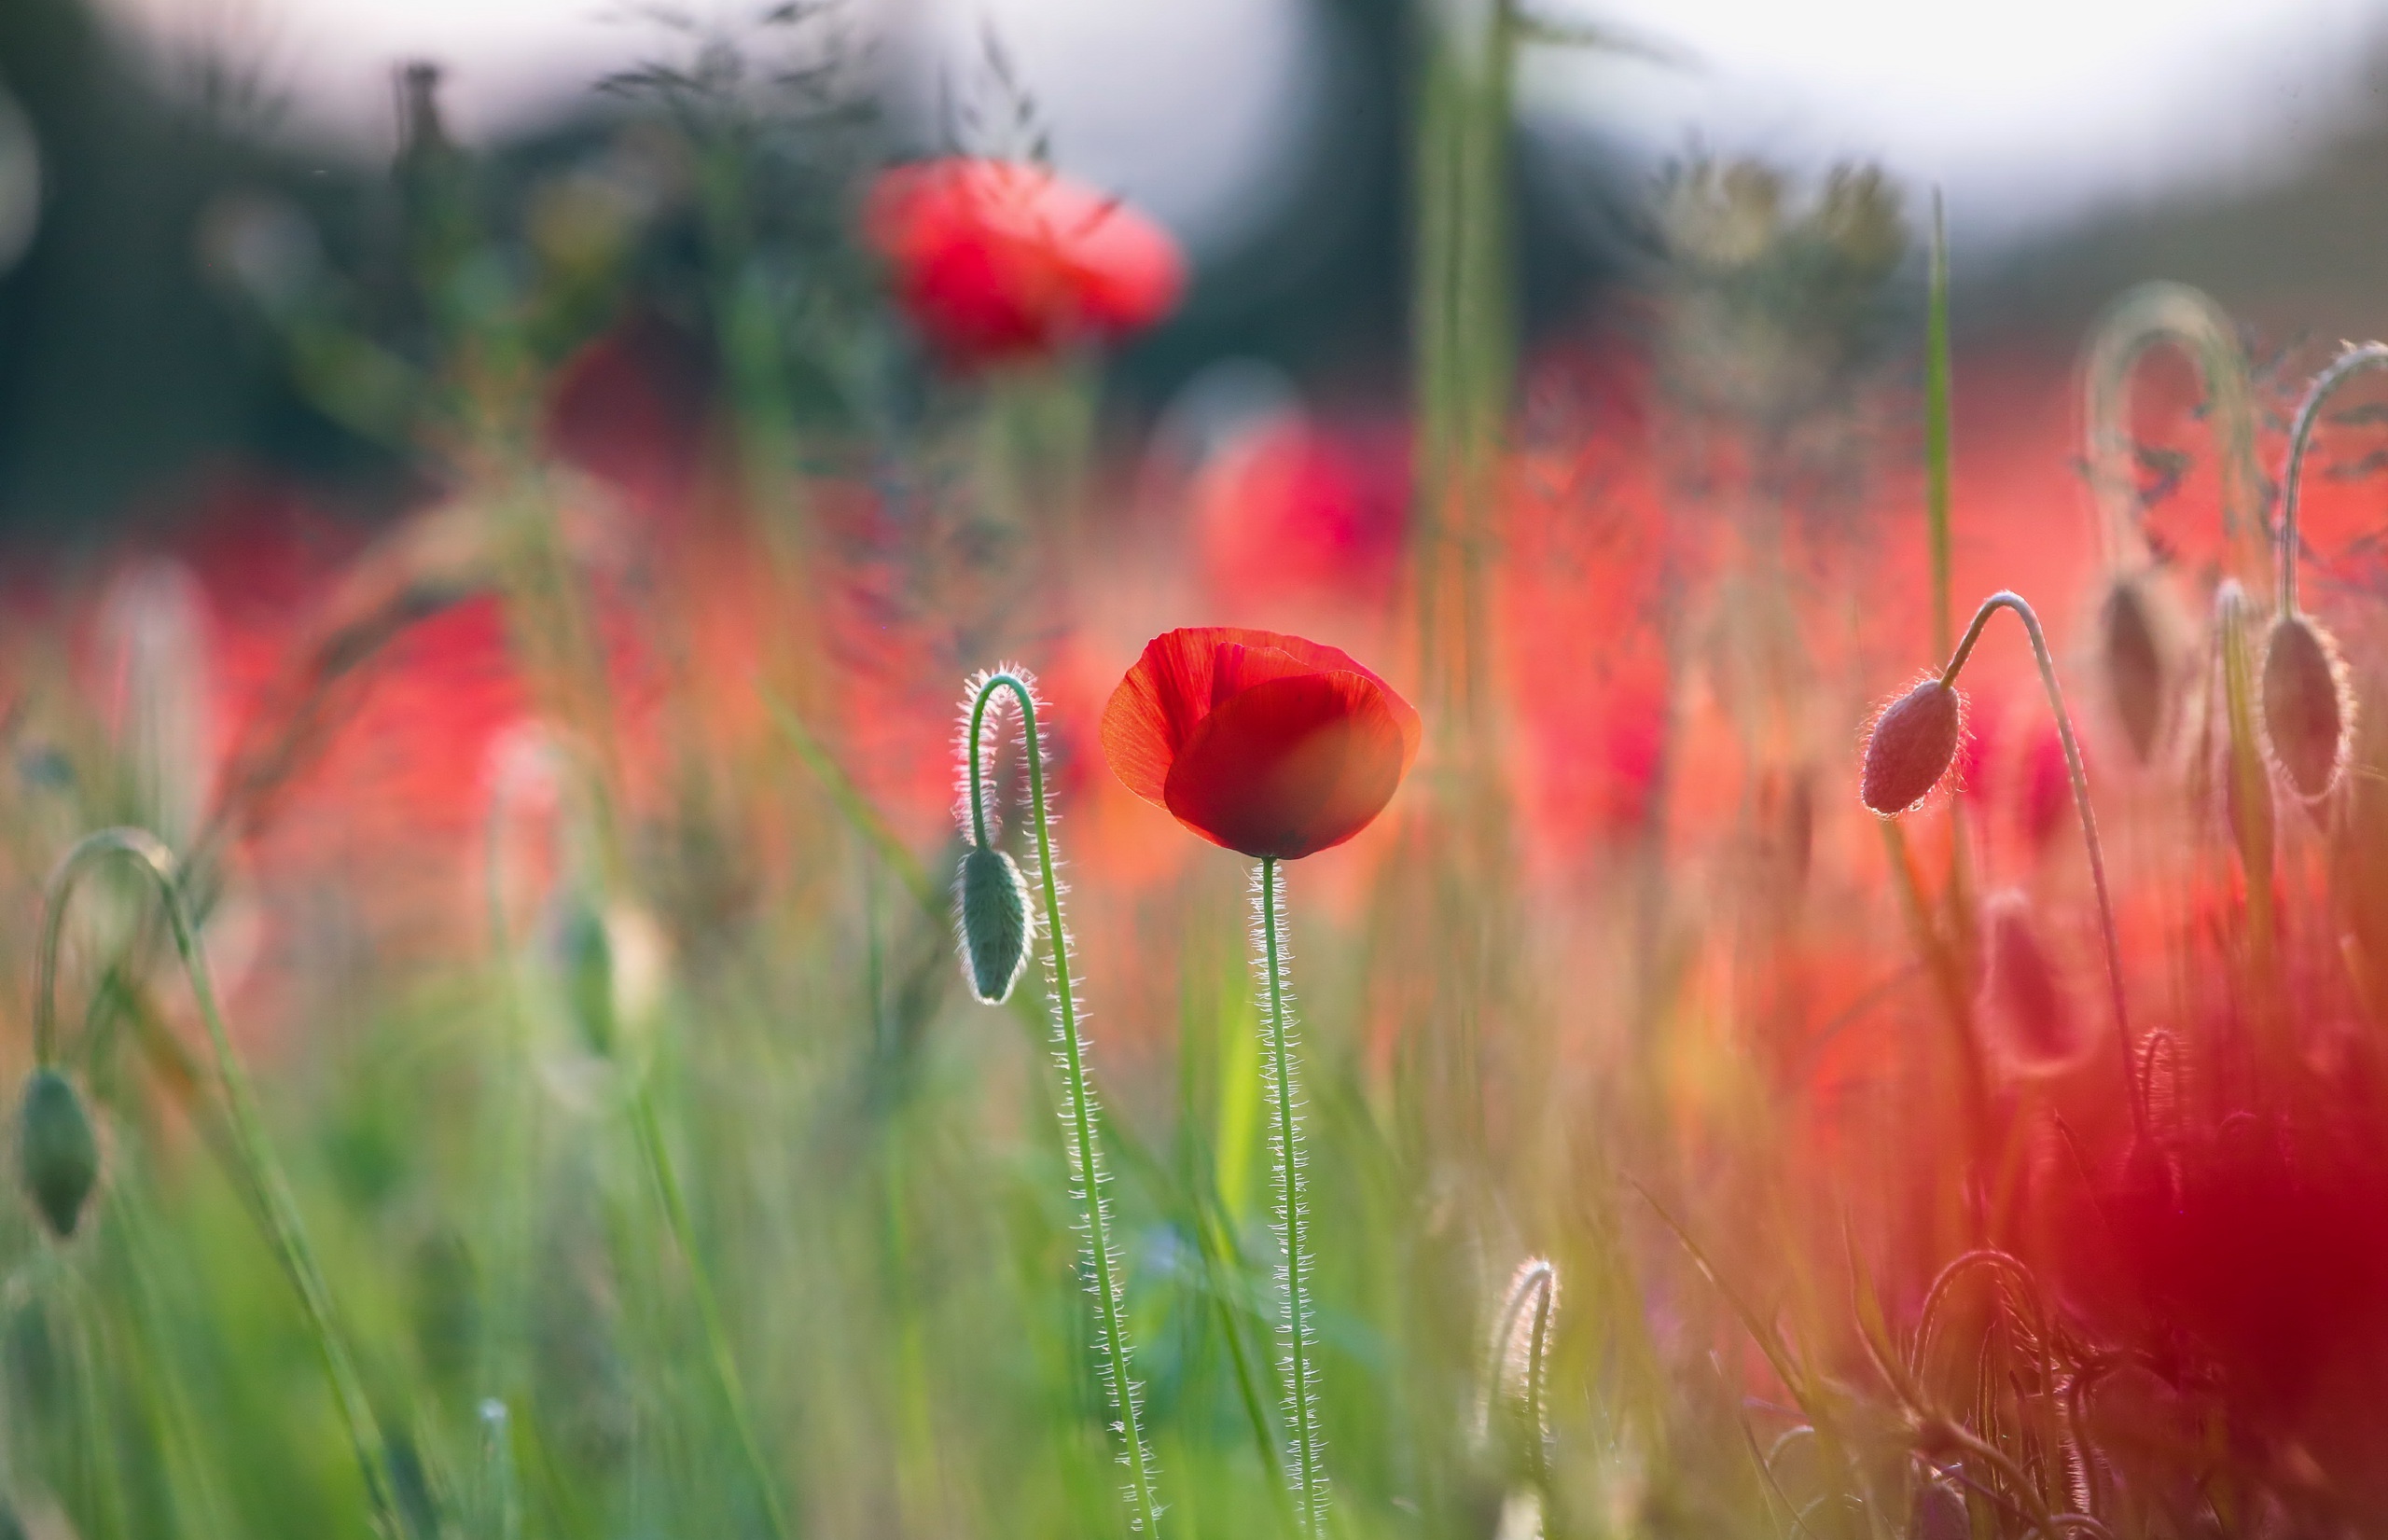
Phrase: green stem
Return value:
(283, 1224)
(1937, 436)
(724, 1362)
(2079, 778)
(1086, 1156)
(1301, 1393)
(2349, 363)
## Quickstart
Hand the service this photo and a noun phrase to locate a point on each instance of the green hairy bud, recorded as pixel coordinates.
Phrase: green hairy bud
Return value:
(56, 1154)
(994, 923)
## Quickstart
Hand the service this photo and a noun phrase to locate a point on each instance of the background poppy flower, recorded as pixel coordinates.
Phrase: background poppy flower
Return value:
(998, 262)
(1265, 744)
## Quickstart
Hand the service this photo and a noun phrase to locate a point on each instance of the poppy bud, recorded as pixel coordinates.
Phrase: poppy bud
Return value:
(2134, 667)
(2020, 987)
(2307, 705)
(1913, 743)
(56, 1153)
(994, 923)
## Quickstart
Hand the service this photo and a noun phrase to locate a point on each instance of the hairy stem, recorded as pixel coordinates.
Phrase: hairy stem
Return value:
(2080, 782)
(263, 1173)
(1301, 1390)
(2348, 364)
(1085, 1153)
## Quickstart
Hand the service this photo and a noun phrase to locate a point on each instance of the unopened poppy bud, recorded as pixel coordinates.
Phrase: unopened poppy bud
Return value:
(2308, 708)
(1913, 743)
(1938, 1513)
(2134, 666)
(57, 1155)
(994, 923)
(2022, 989)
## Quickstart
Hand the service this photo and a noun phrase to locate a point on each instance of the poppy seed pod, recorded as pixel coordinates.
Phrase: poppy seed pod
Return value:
(57, 1155)
(1911, 746)
(2308, 708)
(2134, 667)
(994, 923)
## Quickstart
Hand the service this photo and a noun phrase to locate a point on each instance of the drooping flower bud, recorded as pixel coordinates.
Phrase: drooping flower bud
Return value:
(2021, 992)
(1911, 746)
(2134, 667)
(57, 1155)
(994, 923)
(2308, 708)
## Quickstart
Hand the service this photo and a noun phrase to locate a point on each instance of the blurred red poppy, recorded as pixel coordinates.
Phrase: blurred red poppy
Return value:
(997, 262)
(1265, 744)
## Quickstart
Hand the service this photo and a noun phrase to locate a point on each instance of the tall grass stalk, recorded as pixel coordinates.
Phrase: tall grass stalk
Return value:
(1299, 1329)
(261, 1170)
(648, 1128)
(1106, 1271)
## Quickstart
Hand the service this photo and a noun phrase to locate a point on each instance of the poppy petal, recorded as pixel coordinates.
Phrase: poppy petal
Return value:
(1291, 765)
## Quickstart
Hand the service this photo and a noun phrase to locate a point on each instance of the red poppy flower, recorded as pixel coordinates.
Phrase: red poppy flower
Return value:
(1262, 743)
(996, 261)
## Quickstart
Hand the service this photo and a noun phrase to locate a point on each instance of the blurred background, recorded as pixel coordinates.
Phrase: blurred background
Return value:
(2226, 143)
(507, 489)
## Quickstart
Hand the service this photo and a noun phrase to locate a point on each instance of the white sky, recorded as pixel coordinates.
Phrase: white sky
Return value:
(2023, 108)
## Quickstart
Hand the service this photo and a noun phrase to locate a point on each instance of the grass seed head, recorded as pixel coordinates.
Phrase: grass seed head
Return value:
(1912, 744)
(2134, 667)
(57, 1155)
(994, 923)
(2308, 707)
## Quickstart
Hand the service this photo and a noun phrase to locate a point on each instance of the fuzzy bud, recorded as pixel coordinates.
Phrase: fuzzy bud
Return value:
(2308, 708)
(2134, 667)
(2021, 986)
(1913, 743)
(994, 923)
(57, 1155)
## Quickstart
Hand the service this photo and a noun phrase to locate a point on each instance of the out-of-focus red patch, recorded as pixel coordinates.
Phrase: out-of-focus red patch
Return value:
(996, 261)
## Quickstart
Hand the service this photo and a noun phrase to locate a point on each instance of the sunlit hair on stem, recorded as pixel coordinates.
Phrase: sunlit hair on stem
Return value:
(1296, 1330)
(1106, 1269)
(1516, 1372)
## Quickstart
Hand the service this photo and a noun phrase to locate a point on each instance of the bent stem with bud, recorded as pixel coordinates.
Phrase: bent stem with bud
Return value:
(2308, 707)
(1928, 715)
(258, 1167)
(993, 875)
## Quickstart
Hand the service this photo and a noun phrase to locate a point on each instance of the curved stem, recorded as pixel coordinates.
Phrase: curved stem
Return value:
(1085, 1153)
(1301, 1394)
(2348, 364)
(284, 1227)
(2189, 318)
(717, 1346)
(2006, 598)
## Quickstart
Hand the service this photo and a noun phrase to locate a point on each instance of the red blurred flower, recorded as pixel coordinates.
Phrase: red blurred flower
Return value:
(1262, 743)
(630, 409)
(996, 261)
(1291, 509)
